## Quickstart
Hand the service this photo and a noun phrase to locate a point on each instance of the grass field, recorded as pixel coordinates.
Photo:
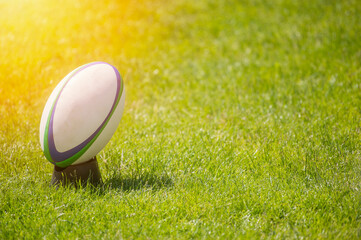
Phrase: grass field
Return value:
(242, 119)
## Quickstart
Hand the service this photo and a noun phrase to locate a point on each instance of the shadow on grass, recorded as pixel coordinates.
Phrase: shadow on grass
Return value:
(144, 181)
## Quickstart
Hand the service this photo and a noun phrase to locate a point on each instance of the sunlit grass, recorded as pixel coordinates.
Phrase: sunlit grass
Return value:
(242, 119)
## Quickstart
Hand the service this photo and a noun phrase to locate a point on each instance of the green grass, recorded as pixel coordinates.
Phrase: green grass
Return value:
(242, 119)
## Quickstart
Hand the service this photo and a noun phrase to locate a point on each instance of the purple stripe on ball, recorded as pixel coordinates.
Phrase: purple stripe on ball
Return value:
(61, 156)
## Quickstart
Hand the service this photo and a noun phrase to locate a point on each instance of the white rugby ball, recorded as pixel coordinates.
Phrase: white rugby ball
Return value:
(82, 114)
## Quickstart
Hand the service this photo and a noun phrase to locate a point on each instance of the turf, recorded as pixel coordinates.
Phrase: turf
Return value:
(242, 119)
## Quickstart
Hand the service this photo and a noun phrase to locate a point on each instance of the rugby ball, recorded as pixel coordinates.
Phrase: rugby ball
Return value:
(82, 114)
